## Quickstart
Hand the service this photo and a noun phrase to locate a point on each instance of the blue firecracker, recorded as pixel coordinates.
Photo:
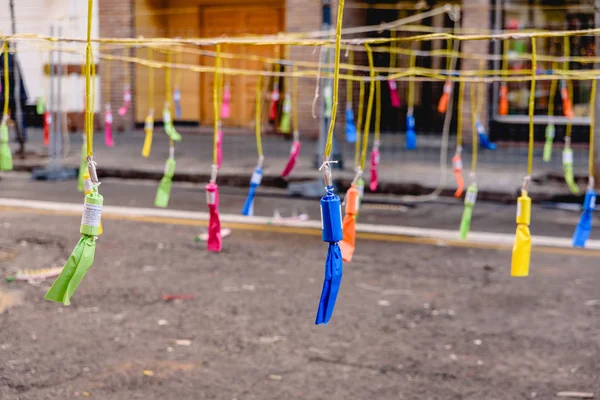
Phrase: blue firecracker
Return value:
(484, 139)
(411, 136)
(584, 227)
(254, 184)
(350, 126)
(331, 223)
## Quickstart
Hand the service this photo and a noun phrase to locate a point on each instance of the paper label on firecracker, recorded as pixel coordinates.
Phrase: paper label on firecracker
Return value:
(593, 202)
(322, 224)
(127, 97)
(108, 118)
(177, 95)
(166, 117)
(49, 119)
(256, 178)
(341, 218)
(287, 106)
(361, 191)
(210, 198)
(458, 164)
(518, 209)
(392, 84)
(275, 96)
(447, 87)
(88, 186)
(149, 124)
(92, 214)
(357, 202)
(327, 91)
(471, 197)
(377, 158)
(567, 157)
(550, 131)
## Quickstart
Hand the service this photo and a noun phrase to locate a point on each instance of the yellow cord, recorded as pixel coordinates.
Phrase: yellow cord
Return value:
(349, 83)
(378, 111)
(277, 66)
(150, 82)
(336, 79)
(551, 96)
(216, 102)
(178, 71)
(531, 107)
(365, 141)
(89, 126)
(108, 81)
(411, 84)
(6, 80)
(459, 115)
(258, 115)
(168, 92)
(592, 126)
(359, 119)
(393, 53)
(295, 121)
(475, 136)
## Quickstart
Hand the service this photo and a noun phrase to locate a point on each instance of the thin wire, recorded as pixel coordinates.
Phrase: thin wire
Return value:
(359, 120)
(150, 82)
(89, 126)
(349, 83)
(216, 103)
(552, 95)
(411, 84)
(474, 135)
(336, 79)
(531, 107)
(459, 113)
(365, 141)
(295, 121)
(257, 127)
(108, 63)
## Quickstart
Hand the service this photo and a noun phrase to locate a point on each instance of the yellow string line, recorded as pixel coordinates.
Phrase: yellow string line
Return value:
(365, 141)
(474, 135)
(150, 82)
(286, 81)
(592, 126)
(377, 110)
(392, 48)
(531, 107)
(89, 128)
(359, 119)
(480, 93)
(108, 63)
(295, 121)
(178, 72)
(336, 79)
(552, 95)
(276, 67)
(168, 92)
(411, 84)
(93, 91)
(459, 115)
(448, 59)
(216, 102)
(258, 115)
(6, 80)
(349, 83)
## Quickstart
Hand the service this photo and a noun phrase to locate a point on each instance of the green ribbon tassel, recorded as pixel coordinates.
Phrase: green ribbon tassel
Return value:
(163, 193)
(548, 144)
(360, 186)
(40, 106)
(82, 257)
(465, 222)
(169, 127)
(83, 164)
(6, 163)
(568, 169)
(73, 272)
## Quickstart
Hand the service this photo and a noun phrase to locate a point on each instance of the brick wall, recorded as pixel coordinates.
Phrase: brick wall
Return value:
(476, 16)
(116, 21)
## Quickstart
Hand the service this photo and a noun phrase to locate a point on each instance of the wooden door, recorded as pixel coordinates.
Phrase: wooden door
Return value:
(237, 21)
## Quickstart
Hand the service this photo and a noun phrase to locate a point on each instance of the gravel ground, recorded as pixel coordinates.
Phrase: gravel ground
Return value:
(412, 321)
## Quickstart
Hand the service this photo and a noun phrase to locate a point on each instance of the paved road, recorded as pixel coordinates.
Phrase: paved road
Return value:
(444, 214)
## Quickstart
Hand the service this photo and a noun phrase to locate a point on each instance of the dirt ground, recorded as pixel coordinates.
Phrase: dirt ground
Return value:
(412, 321)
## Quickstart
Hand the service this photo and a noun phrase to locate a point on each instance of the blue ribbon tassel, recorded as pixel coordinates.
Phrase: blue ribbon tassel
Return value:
(484, 139)
(331, 221)
(254, 184)
(350, 126)
(584, 227)
(411, 136)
